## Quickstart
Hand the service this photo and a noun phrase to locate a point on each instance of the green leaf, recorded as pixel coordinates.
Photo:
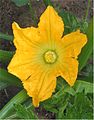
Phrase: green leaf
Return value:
(58, 98)
(82, 85)
(88, 49)
(83, 26)
(50, 108)
(6, 37)
(28, 106)
(62, 108)
(20, 3)
(69, 90)
(9, 108)
(79, 86)
(6, 77)
(23, 112)
(87, 73)
(71, 23)
(33, 16)
(5, 56)
(47, 2)
(3, 85)
(78, 108)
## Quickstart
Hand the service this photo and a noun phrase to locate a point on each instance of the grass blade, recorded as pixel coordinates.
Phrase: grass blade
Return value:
(81, 85)
(47, 2)
(88, 49)
(5, 56)
(6, 37)
(9, 78)
(9, 107)
(3, 85)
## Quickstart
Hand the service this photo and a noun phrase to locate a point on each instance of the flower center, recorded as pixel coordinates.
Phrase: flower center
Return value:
(50, 56)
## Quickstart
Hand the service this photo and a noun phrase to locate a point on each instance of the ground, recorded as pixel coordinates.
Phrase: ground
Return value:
(9, 13)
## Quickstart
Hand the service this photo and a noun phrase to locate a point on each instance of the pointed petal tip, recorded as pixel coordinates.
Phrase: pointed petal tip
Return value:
(15, 25)
(84, 36)
(78, 31)
(71, 84)
(49, 7)
(35, 102)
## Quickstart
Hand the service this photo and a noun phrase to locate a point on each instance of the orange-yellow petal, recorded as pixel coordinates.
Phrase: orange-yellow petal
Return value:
(51, 26)
(24, 38)
(40, 86)
(69, 70)
(73, 43)
(20, 65)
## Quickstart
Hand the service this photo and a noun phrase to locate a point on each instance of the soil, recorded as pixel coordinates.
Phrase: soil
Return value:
(9, 13)
(7, 94)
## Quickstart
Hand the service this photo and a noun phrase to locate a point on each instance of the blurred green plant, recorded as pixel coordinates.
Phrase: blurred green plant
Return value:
(9, 107)
(5, 56)
(47, 2)
(8, 78)
(80, 107)
(6, 37)
(20, 3)
(24, 112)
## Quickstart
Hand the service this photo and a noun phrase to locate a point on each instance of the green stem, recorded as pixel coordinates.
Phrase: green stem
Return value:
(9, 78)
(87, 11)
(32, 13)
(88, 49)
(47, 2)
(5, 56)
(3, 85)
(9, 107)
(6, 37)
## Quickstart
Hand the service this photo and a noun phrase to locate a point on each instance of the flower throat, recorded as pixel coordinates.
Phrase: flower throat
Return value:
(50, 57)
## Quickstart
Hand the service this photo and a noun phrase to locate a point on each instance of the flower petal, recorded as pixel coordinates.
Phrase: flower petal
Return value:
(51, 26)
(72, 43)
(25, 37)
(40, 86)
(20, 65)
(69, 70)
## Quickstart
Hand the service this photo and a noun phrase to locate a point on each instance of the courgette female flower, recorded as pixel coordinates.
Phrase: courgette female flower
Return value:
(42, 54)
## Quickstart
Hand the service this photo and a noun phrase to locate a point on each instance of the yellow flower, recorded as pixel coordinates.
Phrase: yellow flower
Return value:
(42, 54)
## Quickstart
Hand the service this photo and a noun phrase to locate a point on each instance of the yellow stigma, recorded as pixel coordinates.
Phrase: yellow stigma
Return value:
(50, 56)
